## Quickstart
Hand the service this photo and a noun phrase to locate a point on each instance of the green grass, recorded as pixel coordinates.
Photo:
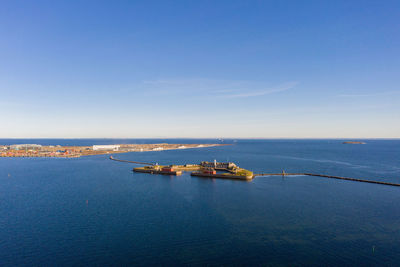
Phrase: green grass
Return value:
(243, 172)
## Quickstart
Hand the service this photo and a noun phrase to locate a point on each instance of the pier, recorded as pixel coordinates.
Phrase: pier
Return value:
(283, 173)
(135, 162)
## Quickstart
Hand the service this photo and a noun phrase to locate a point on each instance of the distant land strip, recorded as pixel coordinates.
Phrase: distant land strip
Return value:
(35, 150)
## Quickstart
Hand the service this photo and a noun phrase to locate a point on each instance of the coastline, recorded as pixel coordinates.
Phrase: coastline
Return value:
(33, 150)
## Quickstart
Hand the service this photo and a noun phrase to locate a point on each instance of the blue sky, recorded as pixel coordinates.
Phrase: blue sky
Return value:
(257, 69)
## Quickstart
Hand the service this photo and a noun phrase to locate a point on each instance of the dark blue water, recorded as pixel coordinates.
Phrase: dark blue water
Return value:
(94, 211)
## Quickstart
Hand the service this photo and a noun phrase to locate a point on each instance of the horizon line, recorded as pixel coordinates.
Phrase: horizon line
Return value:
(242, 138)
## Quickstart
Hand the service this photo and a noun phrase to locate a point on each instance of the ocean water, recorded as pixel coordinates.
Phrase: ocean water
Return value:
(92, 211)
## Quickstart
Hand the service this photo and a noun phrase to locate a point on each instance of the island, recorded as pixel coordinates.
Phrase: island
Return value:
(354, 142)
(225, 170)
(35, 150)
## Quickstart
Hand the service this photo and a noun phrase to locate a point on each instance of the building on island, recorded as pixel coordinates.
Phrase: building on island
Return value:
(25, 147)
(218, 165)
(106, 147)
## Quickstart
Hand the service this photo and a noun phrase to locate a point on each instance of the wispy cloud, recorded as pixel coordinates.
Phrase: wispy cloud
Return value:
(218, 88)
(371, 94)
(281, 88)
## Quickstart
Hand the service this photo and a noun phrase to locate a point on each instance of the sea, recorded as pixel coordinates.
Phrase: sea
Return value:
(92, 211)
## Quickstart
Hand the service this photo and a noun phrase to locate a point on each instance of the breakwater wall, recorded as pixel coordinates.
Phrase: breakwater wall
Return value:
(136, 162)
(328, 176)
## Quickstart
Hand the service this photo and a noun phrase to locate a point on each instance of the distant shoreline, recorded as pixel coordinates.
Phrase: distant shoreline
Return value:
(58, 151)
(204, 138)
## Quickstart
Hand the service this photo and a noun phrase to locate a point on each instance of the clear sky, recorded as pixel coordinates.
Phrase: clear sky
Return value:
(269, 69)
